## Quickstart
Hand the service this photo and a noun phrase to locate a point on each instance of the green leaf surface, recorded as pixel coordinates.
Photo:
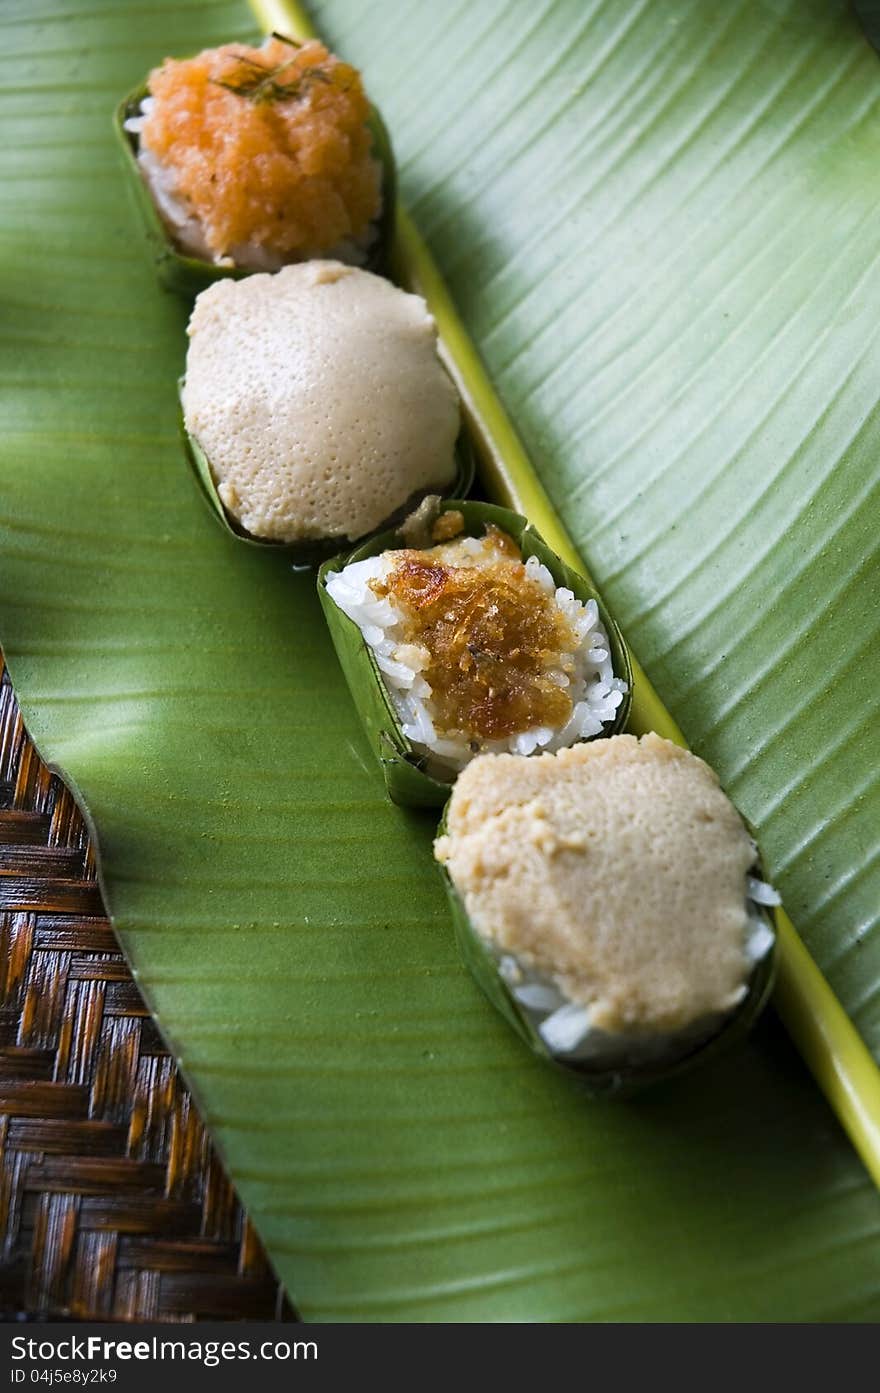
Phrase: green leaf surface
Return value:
(663, 241)
(656, 220)
(868, 12)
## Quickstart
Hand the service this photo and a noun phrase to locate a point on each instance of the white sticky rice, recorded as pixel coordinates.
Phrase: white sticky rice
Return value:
(595, 691)
(185, 227)
(565, 1026)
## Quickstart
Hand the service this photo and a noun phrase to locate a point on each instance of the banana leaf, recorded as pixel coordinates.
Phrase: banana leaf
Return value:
(636, 206)
(664, 203)
(408, 783)
(868, 12)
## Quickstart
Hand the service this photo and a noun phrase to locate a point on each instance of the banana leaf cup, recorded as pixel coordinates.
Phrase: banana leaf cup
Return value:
(187, 275)
(304, 553)
(600, 1081)
(406, 777)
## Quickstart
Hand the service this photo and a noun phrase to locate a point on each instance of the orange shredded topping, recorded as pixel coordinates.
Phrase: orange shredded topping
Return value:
(283, 161)
(447, 526)
(492, 633)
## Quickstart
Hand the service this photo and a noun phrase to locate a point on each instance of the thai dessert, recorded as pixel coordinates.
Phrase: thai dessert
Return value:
(317, 398)
(257, 157)
(480, 650)
(615, 892)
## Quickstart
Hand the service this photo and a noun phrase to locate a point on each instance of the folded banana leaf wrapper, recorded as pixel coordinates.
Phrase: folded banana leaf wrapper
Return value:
(659, 222)
(406, 779)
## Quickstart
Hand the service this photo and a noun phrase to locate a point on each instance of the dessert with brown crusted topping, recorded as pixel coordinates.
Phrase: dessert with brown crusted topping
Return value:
(479, 648)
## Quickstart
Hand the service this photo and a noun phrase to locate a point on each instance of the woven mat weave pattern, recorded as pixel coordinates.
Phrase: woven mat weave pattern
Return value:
(113, 1204)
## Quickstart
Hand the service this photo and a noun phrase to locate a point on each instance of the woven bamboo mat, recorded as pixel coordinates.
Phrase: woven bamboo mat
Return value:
(113, 1204)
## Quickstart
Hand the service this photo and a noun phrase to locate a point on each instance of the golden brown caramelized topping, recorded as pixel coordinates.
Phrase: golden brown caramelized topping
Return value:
(269, 145)
(494, 637)
(447, 526)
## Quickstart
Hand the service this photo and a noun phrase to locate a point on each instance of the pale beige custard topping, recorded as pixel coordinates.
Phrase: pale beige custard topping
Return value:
(616, 869)
(318, 399)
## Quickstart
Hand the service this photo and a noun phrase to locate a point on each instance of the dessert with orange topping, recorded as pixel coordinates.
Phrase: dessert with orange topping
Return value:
(257, 157)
